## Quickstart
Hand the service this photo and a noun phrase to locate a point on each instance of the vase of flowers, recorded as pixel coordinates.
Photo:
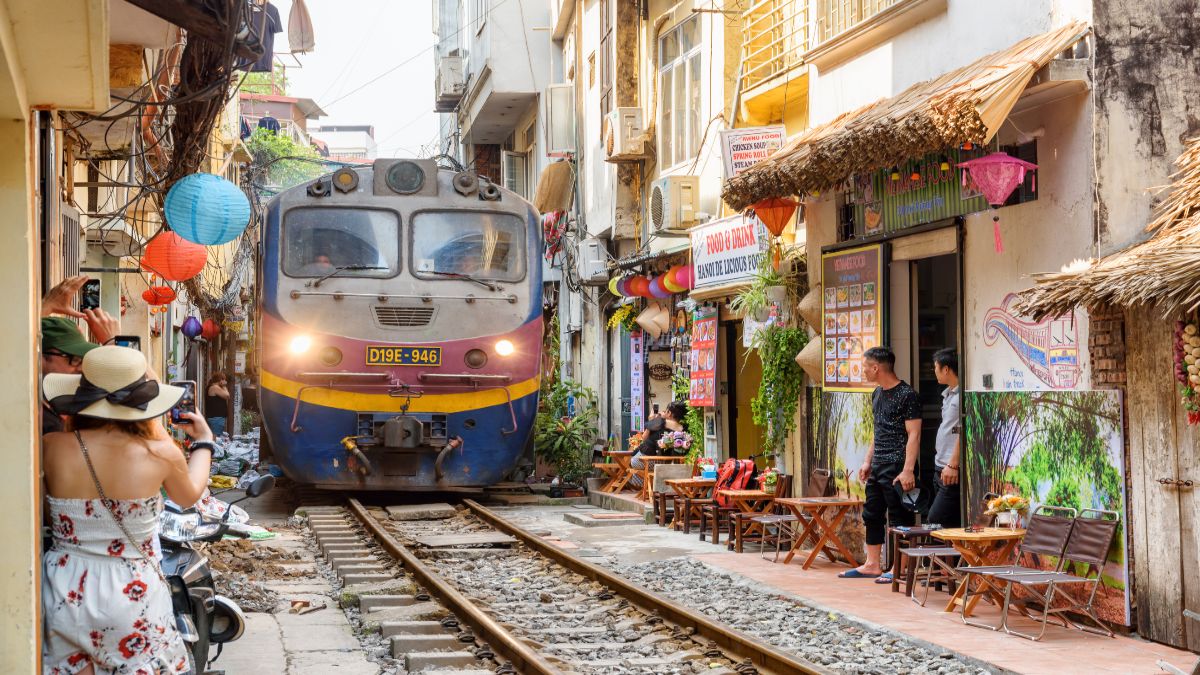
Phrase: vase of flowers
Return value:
(1007, 509)
(635, 440)
(769, 479)
(675, 443)
(708, 467)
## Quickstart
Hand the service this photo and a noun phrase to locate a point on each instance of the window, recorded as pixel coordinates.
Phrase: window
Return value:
(479, 12)
(679, 92)
(514, 173)
(317, 241)
(483, 245)
(607, 56)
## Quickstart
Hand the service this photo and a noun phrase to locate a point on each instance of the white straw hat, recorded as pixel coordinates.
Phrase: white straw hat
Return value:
(114, 386)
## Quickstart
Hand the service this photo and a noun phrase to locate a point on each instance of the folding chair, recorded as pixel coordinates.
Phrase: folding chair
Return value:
(1047, 534)
(1088, 545)
(740, 523)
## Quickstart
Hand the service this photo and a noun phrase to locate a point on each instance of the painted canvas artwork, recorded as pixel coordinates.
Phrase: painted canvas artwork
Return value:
(1052, 447)
(838, 439)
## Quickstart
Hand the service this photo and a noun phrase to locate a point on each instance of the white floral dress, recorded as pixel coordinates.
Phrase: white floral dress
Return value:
(102, 602)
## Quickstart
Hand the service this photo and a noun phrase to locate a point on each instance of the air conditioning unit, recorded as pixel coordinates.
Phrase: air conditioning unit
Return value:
(593, 262)
(624, 135)
(674, 201)
(560, 120)
(449, 83)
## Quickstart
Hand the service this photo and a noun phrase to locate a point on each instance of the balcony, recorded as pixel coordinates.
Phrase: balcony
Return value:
(780, 35)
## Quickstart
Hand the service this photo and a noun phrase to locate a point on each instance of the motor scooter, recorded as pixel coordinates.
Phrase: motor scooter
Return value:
(203, 617)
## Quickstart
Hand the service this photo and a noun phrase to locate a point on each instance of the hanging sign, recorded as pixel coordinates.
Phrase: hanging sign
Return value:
(853, 314)
(728, 250)
(918, 192)
(743, 148)
(703, 389)
(637, 381)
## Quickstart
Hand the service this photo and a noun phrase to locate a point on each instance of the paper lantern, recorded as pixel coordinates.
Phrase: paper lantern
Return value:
(685, 276)
(657, 289)
(191, 327)
(997, 175)
(612, 285)
(210, 329)
(158, 295)
(668, 282)
(639, 286)
(623, 288)
(171, 257)
(775, 213)
(207, 209)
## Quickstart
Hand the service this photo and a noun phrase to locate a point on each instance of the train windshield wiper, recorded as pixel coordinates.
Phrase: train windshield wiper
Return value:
(344, 268)
(491, 286)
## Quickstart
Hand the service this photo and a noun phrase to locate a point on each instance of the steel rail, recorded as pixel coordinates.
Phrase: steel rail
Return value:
(523, 658)
(761, 654)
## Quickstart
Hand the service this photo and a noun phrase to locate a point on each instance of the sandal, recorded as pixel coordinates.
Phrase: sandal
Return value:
(885, 578)
(855, 574)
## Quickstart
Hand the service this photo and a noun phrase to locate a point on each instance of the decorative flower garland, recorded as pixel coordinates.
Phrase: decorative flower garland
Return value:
(1187, 367)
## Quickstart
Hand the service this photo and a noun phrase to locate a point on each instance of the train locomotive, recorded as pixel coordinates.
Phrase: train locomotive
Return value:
(399, 329)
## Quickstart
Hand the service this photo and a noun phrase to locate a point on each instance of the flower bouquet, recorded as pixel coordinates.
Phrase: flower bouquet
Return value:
(635, 440)
(768, 479)
(675, 443)
(1007, 509)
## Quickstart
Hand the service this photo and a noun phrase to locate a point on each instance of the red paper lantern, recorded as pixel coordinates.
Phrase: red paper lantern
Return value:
(639, 286)
(173, 258)
(210, 329)
(775, 213)
(158, 295)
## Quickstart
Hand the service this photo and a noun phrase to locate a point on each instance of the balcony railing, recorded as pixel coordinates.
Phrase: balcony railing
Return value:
(777, 33)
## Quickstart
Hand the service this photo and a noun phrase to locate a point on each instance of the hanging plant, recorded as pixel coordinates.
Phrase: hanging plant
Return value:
(782, 385)
(778, 267)
(693, 421)
(624, 316)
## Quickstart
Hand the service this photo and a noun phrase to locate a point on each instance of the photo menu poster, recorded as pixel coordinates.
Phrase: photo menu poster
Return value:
(703, 391)
(853, 314)
(637, 381)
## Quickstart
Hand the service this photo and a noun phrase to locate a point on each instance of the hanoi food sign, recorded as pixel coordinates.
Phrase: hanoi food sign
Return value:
(728, 250)
(853, 314)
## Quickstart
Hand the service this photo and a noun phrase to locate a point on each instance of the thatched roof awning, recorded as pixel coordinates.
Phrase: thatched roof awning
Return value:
(967, 104)
(1163, 271)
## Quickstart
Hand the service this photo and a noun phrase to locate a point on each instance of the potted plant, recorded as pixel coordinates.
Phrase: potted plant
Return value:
(1008, 509)
(565, 440)
(769, 479)
(708, 467)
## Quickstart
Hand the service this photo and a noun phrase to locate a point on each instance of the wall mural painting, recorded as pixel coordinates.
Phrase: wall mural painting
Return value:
(1048, 348)
(1053, 447)
(840, 433)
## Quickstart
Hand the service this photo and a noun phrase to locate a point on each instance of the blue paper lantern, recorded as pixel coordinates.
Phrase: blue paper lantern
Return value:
(191, 327)
(207, 209)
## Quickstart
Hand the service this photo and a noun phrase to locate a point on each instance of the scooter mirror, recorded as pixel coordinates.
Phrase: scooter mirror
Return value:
(261, 486)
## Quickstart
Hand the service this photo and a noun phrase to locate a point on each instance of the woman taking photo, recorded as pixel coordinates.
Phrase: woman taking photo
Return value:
(106, 606)
(216, 403)
(670, 420)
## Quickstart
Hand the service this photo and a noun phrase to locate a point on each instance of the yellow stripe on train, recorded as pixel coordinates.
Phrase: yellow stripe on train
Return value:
(359, 402)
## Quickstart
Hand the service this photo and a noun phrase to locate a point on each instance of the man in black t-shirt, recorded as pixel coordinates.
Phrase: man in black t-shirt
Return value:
(888, 469)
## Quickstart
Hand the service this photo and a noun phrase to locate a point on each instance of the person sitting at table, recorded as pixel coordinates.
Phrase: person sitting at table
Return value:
(671, 419)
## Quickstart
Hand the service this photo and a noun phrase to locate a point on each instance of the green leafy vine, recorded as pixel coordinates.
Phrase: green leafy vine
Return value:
(774, 406)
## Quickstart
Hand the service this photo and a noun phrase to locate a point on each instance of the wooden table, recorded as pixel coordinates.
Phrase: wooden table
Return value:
(989, 546)
(821, 517)
(647, 471)
(689, 488)
(752, 502)
(617, 479)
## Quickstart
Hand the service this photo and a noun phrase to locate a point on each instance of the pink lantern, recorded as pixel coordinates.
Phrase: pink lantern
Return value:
(684, 276)
(997, 175)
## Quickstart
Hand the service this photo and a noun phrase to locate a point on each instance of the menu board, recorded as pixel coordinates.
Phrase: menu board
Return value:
(637, 381)
(853, 314)
(703, 390)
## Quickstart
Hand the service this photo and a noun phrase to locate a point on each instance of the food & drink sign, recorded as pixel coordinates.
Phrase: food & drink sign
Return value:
(728, 250)
(853, 316)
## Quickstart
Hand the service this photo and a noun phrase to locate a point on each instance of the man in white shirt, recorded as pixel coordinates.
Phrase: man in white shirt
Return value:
(946, 509)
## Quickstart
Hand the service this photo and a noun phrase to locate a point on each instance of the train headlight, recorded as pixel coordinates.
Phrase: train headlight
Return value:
(505, 348)
(330, 356)
(300, 344)
(476, 358)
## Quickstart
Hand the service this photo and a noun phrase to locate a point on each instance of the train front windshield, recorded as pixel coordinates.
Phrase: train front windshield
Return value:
(482, 245)
(318, 241)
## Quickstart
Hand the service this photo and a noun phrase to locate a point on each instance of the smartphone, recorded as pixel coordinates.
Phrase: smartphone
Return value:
(655, 408)
(186, 404)
(89, 296)
(131, 341)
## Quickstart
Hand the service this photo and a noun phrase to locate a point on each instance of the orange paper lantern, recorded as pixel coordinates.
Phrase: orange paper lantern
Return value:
(775, 213)
(158, 295)
(173, 258)
(210, 329)
(640, 286)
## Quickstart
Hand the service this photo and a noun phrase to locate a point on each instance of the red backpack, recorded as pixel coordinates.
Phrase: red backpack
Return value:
(735, 474)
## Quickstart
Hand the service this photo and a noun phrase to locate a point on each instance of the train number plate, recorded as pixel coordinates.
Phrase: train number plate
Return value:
(378, 355)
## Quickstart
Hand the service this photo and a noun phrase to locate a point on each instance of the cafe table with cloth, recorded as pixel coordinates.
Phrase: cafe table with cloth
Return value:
(820, 517)
(980, 546)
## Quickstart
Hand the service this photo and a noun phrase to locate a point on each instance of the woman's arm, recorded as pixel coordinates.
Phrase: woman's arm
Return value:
(218, 390)
(186, 479)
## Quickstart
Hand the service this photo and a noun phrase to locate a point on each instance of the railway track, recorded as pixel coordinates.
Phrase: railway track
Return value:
(520, 604)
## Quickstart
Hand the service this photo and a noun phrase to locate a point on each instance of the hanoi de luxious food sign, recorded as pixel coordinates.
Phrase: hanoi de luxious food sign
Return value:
(728, 250)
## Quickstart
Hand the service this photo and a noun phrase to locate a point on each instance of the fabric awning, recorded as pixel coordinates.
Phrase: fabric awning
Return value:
(967, 104)
(1163, 271)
